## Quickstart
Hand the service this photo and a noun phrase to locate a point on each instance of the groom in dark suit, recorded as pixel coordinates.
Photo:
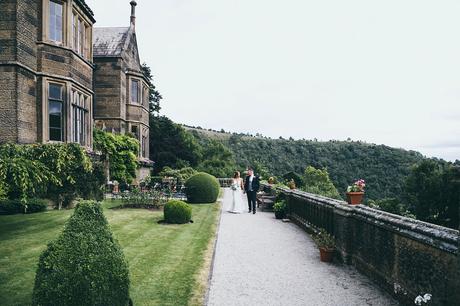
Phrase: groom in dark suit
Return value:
(251, 186)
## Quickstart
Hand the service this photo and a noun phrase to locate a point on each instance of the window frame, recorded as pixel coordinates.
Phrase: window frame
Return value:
(63, 22)
(79, 117)
(62, 113)
(138, 95)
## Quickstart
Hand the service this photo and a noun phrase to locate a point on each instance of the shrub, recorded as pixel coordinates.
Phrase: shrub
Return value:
(280, 209)
(11, 207)
(177, 212)
(202, 188)
(85, 265)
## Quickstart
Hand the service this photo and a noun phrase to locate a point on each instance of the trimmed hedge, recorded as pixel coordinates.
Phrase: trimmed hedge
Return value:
(177, 212)
(11, 207)
(85, 265)
(202, 188)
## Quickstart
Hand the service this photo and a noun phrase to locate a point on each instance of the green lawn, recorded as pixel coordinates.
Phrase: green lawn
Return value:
(166, 262)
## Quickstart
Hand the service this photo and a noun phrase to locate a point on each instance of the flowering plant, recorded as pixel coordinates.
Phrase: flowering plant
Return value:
(357, 186)
(420, 300)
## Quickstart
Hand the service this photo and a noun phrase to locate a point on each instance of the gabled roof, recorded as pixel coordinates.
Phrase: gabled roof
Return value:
(110, 42)
(86, 8)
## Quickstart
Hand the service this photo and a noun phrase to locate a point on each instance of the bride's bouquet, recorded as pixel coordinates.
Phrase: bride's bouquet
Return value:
(234, 187)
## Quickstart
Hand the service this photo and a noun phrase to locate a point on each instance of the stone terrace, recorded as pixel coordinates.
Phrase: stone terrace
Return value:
(263, 261)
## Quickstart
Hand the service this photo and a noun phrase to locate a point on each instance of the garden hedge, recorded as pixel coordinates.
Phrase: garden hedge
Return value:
(11, 207)
(85, 265)
(177, 212)
(202, 188)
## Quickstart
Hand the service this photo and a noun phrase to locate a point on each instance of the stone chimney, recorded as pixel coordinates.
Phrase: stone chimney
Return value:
(133, 12)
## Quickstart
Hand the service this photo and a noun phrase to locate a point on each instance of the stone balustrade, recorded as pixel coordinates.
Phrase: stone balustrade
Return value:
(405, 256)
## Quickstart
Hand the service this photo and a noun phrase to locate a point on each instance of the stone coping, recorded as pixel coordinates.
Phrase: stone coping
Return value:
(433, 235)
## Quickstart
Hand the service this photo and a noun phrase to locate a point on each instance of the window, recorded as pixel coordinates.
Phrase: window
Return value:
(75, 36)
(135, 91)
(135, 131)
(55, 111)
(144, 146)
(55, 21)
(79, 117)
(81, 37)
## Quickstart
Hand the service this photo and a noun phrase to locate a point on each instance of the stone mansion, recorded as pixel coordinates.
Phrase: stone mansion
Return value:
(60, 76)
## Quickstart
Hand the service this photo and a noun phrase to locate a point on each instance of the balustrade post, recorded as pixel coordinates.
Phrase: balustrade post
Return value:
(343, 231)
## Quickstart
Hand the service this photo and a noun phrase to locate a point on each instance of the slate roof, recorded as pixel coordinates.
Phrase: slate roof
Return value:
(110, 42)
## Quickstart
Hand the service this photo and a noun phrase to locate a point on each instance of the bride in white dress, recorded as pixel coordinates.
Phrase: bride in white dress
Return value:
(236, 188)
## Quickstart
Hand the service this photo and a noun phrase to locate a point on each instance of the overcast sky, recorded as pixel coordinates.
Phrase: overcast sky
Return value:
(386, 72)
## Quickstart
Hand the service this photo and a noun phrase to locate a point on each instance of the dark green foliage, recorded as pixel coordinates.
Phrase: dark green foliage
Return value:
(91, 187)
(391, 205)
(317, 181)
(298, 179)
(121, 151)
(11, 207)
(70, 164)
(433, 192)
(384, 168)
(21, 174)
(84, 266)
(171, 145)
(180, 175)
(60, 172)
(202, 188)
(154, 95)
(217, 159)
(280, 209)
(177, 212)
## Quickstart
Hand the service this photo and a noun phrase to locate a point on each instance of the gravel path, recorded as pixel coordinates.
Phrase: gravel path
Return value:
(263, 261)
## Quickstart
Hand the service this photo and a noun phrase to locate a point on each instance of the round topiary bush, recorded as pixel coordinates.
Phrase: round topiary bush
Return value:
(177, 212)
(85, 265)
(202, 188)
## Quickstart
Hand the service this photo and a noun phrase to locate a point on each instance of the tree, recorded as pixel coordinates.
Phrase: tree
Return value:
(171, 145)
(317, 181)
(433, 192)
(154, 95)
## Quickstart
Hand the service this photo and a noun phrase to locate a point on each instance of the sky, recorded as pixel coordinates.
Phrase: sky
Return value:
(384, 72)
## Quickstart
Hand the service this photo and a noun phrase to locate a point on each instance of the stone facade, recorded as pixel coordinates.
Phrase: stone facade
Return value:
(121, 90)
(38, 51)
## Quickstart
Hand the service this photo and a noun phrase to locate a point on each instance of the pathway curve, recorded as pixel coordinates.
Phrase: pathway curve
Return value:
(263, 261)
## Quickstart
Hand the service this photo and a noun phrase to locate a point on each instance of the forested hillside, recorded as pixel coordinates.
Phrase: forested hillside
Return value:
(384, 168)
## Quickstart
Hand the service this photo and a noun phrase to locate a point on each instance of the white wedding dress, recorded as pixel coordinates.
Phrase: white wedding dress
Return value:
(237, 203)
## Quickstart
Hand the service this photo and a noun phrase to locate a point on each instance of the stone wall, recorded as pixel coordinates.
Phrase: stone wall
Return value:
(19, 22)
(108, 88)
(407, 257)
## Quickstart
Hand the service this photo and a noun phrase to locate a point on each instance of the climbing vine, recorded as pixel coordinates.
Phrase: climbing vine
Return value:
(121, 152)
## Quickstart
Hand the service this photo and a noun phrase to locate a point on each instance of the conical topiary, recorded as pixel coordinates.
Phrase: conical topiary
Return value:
(85, 265)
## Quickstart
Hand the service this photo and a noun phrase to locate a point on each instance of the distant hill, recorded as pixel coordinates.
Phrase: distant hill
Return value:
(384, 168)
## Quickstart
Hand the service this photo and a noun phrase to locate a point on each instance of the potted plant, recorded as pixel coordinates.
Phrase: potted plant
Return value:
(355, 192)
(291, 184)
(280, 209)
(326, 245)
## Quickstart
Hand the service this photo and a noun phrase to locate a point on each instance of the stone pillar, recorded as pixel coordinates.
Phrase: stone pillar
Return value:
(343, 231)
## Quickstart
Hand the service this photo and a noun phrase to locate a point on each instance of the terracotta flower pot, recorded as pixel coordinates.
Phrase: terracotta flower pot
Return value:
(326, 255)
(355, 198)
